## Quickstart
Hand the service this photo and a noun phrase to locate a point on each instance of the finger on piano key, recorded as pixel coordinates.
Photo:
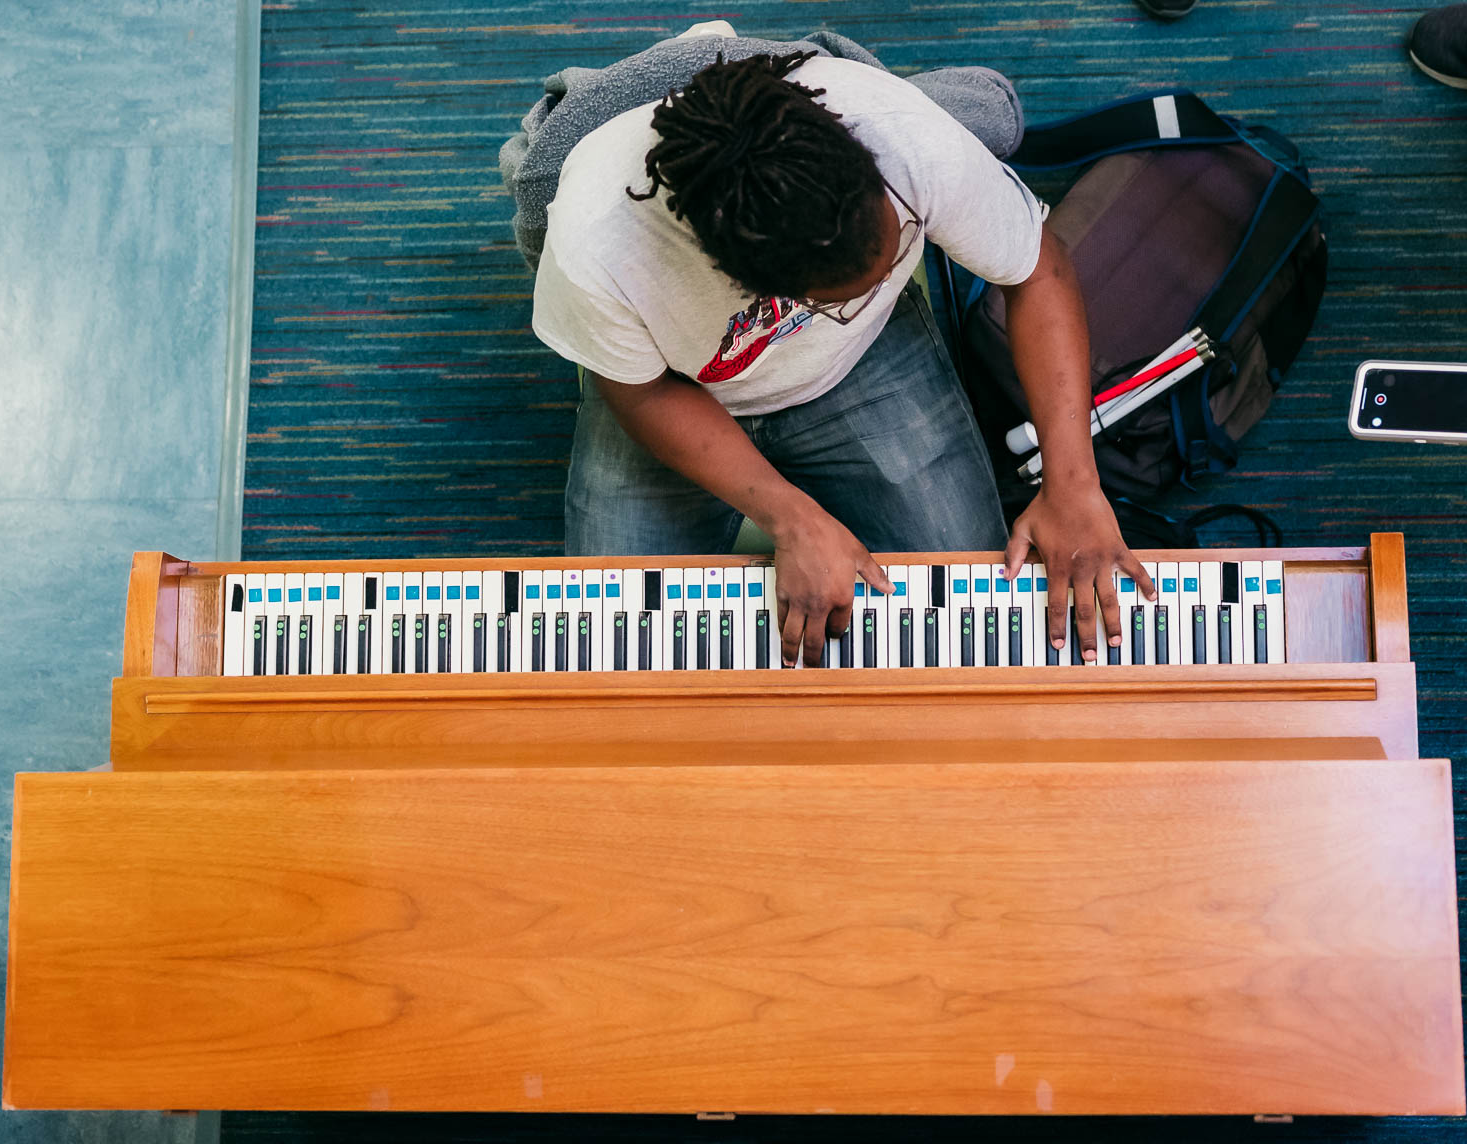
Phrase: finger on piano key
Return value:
(315, 608)
(1148, 608)
(1189, 596)
(256, 659)
(1273, 600)
(1105, 654)
(1074, 648)
(1045, 653)
(1210, 575)
(1232, 595)
(233, 662)
(1253, 599)
(1169, 595)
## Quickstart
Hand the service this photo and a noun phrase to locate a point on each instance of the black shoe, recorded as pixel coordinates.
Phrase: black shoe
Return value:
(1438, 45)
(1166, 9)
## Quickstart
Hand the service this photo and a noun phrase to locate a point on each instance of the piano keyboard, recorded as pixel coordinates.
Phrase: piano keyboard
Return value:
(725, 618)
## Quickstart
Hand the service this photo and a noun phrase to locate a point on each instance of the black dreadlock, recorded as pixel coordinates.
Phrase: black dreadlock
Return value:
(781, 195)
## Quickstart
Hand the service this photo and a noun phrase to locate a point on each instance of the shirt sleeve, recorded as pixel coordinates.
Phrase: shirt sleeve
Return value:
(587, 320)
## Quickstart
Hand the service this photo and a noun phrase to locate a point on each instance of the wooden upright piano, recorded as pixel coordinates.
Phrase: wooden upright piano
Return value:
(410, 835)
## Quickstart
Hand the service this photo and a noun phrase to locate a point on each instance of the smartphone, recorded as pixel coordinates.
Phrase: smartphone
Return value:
(1419, 401)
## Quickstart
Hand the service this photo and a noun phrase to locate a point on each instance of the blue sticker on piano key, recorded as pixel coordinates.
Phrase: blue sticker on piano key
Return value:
(960, 586)
(674, 592)
(1127, 584)
(412, 591)
(452, 591)
(613, 591)
(333, 592)
(1022, 584)
(471, 592)
(393, 592)
(1250, 584)
(532, 591)
(1189, 583)
(274, 594)
(901, 588)
(1001, 586)
(1041, 584)
(980, 585)
(733, 590)
(293, 595)
(572, 591)
(695, 591)
(756, 589)
(860, 588)
(434, 591)
(593, 591)
(552, 591)
(256, 596)
(1275, 587)
(1168, 585)
(313, 594)
(715, 591)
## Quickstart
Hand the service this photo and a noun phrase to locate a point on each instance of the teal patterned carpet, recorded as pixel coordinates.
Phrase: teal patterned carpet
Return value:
(400, 406)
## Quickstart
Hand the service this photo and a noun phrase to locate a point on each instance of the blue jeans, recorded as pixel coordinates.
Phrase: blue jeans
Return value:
(892, 452)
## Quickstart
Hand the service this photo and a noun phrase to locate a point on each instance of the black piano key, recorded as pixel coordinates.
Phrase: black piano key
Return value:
(1225, 633)
(503, 642)
(1112, 654)
(1199, 633)
(904, 642)
(1076, 655)
(726, 640)
(338, 646)
(652, 590)
(939, 586)
(537, 641)
(369, 600)
(399, 646)
(1163, 641)
(257, 642)
(1230, 583)
(282, 655)
(705, 647)
(761, 638)
(511, 592)
(237, 599)
(966, 639)
(1051, 653)
(644, 641)
(583, 642)
(481, 642)
(1260, 633)
(929, 638)
(848, 648)
(679, 641)
(420, 644)
(562, 642)
(304, 632)
(990, 637)
(1016, 637)
(868, 637)
(445, 643)
(619, 641)
(364, 645)
(1138, 634)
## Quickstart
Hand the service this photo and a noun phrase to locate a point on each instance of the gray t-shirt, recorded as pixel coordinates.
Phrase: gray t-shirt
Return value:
(625, 289)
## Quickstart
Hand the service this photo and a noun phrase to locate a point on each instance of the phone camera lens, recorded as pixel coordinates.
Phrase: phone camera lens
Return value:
(1389, 379)
(1380, 398)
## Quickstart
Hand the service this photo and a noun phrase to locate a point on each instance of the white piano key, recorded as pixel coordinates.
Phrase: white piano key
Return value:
(645, 613)
(374, 607)
(751, 578)
(900, 617)
(1102, 637)
(1128, 596)
(941, 577)
(1040, 608)
(591, 606)
(1070, 653)
(394, 614)
(615, 603)
(1022, 597)
(532, 604)
(1237, 624)
(275, 616)
(1273, 599)
(233, 662)
(960, 597)
(431, 607)
(696, 604)
(1210, 575)
(1189, 594)
(919, 599)
(673, 602)
(257, 626)
(1169, 595)
(770, 597)
(733, 602)
(453, 608)
(1003, 593)
(1252, 599)
(471, 605)
(352, 584)
(295, 607)
(321, 634)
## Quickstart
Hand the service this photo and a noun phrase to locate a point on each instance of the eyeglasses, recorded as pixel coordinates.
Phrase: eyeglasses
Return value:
(840, 311)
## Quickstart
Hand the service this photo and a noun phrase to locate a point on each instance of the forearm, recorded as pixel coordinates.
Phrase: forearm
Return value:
(1051, 348)
(686, 428)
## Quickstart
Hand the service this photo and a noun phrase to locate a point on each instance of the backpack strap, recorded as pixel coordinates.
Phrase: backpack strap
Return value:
(1160, 119)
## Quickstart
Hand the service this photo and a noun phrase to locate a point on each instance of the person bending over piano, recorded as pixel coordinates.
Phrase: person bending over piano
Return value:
(755, 346)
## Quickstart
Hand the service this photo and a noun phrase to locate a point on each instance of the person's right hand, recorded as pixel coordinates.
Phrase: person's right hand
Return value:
(816, 563)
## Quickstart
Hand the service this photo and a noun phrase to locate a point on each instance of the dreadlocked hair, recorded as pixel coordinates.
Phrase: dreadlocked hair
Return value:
(780, 194)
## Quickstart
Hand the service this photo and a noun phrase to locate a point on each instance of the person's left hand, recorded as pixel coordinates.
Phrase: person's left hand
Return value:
(1080, 543)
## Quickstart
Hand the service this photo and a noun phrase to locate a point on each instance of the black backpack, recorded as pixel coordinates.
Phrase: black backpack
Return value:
(1184, 218)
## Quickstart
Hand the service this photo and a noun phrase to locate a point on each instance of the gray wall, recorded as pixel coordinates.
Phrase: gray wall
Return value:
(117, 148)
